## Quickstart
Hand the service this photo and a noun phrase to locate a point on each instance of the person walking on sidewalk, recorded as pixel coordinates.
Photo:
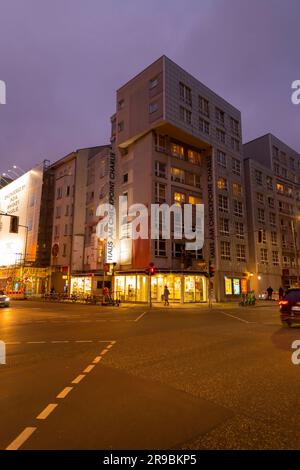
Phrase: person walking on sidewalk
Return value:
(166, 295)
(270, 293)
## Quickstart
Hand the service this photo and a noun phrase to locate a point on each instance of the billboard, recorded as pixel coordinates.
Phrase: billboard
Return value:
(22, 197)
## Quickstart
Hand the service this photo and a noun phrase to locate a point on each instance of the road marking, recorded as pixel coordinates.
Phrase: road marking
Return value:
(109, 346)
(97, 359)
(140, 317)
(84, 341)
(233, 316)
(19, 441)
(78, 379)
(104, 352)
(88, 368)
(60, 341)
(64, 392)
(14, 342)
(46, 411)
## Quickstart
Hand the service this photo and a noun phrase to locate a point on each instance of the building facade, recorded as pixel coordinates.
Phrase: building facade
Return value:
(273, 206)
(178, 142)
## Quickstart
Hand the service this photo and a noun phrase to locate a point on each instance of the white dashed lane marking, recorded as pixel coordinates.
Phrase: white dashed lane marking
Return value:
(28, 431)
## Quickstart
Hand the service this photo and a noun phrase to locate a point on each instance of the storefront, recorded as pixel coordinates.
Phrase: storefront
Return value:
(23, 282)
(183, 288)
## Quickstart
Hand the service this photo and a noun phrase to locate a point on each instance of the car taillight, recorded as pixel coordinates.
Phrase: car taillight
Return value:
(283, 302)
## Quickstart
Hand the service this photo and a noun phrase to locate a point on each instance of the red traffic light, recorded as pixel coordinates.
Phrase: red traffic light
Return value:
(151, 269)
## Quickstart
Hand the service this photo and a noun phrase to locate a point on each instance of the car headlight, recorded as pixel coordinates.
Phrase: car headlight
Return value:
(7, 299)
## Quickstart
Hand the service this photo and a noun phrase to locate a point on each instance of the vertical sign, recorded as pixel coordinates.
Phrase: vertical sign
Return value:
(211, 211)
(110, 242)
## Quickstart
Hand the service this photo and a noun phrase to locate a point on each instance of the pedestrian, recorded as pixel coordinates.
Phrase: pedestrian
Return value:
(270, 293)
(166, 295)
(280, 293)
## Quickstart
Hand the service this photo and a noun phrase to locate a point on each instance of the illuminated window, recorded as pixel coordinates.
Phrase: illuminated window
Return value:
(177, 151)
(194, 157)
(237, 189)
(179, 198)
(177, 175)
(222, 183)
(280, 188)
(194, 200)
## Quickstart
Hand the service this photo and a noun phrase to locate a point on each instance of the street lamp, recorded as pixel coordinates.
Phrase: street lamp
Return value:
(16, 167)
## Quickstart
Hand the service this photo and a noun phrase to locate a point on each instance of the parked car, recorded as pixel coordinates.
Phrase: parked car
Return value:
(290, 307)
(4, 300)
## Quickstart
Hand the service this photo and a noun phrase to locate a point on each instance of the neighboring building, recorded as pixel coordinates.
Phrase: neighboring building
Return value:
(25, 255)
(74, 254)
(176, 141)
(273, 206)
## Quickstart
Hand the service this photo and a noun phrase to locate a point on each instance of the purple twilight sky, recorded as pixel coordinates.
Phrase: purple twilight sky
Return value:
(62, 61)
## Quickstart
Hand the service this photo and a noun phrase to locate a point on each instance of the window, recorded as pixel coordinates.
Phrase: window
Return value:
(258, 177)
(283, 158)
(236, 166)
(58, 212)
(194, 200)
(276, 168)
(271, 202)
(203, 126)
(160, 169)
(160, 193)
(274, 238)
(160, 248)
(194, 157)
(120, 126)
(153, 83)
(222, 183)
(177, 151)
(220, 116)
(260, 197)
(284, 172)
(66, 230)
(177, 250)
(225, 250)
(240, 253)
(59, 193)
(68, 191)
(67, 211)
(185, 93)
(237, 189)
(261, 215)
(263, 236)
(223, 203)
(237, 208)
(121, 104)
(177, 175)
(203, 106)
(179, 198)
(235, 144)
(125, 178)
(275, 152)
(272, 217)
(292, 163)
(185, 115)
(64, 253)
(224, 226)
(239, 230)
(275, 258)
(192, 179)
(153, 107)
(280, 188)
(56, 231)
(269, 182)
(234, 126)
(221, 136)
(221, 158)
(264, 256)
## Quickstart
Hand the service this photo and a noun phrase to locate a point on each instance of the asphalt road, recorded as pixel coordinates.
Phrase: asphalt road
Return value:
(88, 377)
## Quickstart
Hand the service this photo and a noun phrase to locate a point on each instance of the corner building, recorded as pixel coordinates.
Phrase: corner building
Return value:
(176, 141)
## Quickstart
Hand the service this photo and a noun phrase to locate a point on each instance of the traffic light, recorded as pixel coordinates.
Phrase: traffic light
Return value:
(14, 224)
(211, 270)
(260, 236)
(151, 269)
